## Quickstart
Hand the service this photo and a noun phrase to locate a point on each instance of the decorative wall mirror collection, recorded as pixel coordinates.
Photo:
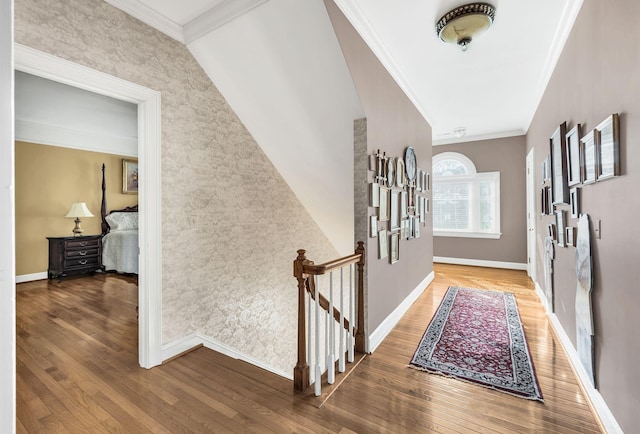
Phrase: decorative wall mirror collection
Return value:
(575, 161)
(397, 196)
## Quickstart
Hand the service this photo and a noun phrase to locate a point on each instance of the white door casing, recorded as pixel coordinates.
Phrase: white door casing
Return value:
(54, 68)
(531, 215)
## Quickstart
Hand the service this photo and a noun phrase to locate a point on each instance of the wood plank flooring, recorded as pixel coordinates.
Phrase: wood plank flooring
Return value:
(77, 372)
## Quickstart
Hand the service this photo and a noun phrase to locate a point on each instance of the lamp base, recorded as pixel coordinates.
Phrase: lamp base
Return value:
(77, 231)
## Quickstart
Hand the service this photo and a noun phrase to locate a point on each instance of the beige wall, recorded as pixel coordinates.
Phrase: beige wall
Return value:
(230, 224)
(597, 75)
(392, 124)
(506, 156)
(48, 180)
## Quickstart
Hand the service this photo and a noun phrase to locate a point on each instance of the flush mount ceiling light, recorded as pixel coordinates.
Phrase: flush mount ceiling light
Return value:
(461, 24)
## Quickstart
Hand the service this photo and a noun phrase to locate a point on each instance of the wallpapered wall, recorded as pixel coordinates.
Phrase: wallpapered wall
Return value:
(230, 224)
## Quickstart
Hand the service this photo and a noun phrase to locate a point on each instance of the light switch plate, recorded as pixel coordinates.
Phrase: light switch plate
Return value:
(596, 228)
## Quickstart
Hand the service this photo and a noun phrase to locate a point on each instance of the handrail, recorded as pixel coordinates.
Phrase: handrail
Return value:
(318, 270)
(304, 271)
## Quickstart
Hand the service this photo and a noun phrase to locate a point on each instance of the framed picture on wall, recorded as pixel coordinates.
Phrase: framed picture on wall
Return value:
(130, 176)
(373, 225)
(608, 148)
(394, 248)
(559, 165)
(404, 197)
(589, 157)
(394, 207)
(382, 244)
(383, 209)
(570, 236)
(560, 228)
(374, 194)
(574, 198)
(574, 163)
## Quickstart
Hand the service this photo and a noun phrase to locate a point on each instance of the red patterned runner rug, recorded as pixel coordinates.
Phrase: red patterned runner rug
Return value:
(477, 336)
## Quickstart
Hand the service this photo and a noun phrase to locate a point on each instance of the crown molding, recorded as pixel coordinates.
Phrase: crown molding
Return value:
(216, 17)
(150, 16)
(363, 26)
(567, 20)
(478, 137)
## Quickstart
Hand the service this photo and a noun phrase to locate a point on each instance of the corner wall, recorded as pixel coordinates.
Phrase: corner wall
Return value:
(507, 156)
(392, 124)
(230, 224)
(597, 75)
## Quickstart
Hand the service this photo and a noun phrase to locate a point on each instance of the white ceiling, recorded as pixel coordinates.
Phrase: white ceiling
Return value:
(280, 67)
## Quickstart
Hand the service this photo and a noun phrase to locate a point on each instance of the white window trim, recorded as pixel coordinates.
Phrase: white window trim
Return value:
(475, 178)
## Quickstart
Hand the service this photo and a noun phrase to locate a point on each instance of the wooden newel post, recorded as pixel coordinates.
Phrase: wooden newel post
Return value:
(301, 371)
(360, 341)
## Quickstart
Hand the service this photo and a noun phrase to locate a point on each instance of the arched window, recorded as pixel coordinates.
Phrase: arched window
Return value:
(465, 203)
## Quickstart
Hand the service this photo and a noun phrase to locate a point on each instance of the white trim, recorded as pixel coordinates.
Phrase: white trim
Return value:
(149, 198)
(150, 16)
(32, 277)
(192, 340)
(378, 335)
(600, 406)
(33, 132)
(567, 19)
(461, 158)
(478, 137)
(480, 263)
(7, 223)
(217, 16)
(530, 218)
(488, 235)
(358, 20)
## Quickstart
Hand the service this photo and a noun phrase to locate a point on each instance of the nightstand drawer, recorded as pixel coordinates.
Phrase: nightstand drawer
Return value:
(70, 254)
(81, 262)
(81, 244)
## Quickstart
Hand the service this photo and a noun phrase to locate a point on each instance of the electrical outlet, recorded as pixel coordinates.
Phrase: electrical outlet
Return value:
(596, 228)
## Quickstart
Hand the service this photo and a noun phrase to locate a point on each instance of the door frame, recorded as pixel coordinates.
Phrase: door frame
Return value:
(54, 68)
(531, 214)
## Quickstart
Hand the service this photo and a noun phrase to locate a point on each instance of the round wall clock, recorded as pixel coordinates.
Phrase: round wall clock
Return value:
(410, 163)
(391, 168)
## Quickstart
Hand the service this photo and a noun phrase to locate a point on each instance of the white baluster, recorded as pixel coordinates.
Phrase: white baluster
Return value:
(318, 379)
(341, 348)
(331, 356)
(352, 316)
(309, 332)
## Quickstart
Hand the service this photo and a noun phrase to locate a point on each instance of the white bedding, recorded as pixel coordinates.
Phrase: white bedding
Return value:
(120, 251)
(120, 245)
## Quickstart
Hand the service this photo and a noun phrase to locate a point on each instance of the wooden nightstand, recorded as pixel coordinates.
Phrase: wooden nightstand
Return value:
(70, 256)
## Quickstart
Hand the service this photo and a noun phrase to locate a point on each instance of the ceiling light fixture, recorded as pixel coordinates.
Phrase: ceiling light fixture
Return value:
(461, 24)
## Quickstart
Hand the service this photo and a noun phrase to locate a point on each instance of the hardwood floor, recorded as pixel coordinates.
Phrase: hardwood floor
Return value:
(77, 372)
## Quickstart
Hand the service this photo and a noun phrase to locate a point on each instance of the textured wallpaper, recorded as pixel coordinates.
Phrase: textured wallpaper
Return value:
(231, 225)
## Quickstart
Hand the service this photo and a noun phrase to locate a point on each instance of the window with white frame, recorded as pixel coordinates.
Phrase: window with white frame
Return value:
(465, 203)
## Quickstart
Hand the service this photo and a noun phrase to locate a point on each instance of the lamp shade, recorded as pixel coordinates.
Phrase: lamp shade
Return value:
(79, 209)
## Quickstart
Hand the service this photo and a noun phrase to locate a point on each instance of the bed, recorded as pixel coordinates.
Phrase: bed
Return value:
(119, 236)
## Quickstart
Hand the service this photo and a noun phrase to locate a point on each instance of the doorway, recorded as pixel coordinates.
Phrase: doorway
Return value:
(150, 242)
(531, 215)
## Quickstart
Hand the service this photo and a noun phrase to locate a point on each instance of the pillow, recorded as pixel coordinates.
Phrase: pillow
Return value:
(122, 221)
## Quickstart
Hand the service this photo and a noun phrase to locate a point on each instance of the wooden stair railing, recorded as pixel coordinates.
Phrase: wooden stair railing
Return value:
(351, 323)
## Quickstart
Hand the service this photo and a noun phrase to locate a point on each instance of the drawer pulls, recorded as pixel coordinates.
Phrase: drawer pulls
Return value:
(83, 262)
(83, 253)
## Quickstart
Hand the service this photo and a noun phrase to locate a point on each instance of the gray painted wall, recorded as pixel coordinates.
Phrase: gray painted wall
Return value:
(508, 157)
(393, 123)
(597, 75)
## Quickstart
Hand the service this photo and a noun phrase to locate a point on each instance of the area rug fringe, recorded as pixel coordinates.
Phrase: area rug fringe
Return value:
(477, 336)
(486, 386)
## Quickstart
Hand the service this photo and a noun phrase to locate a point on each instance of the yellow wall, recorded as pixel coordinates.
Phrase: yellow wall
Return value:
(48, 180)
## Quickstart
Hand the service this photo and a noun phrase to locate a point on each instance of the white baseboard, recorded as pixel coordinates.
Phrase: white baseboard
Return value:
(378, 335)
(600, 406)
(480, 263)
(192, 340)
(31, 277)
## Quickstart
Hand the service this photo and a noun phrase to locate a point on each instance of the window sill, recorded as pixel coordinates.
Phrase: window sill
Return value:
(487, 235)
